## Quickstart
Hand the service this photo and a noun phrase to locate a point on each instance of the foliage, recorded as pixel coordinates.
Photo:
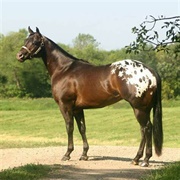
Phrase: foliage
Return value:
(169, 172)
(28, 172)
(16, 79)
(9, 69)
(169, 70)
(86, 47)
(149, 33)
(82, 41)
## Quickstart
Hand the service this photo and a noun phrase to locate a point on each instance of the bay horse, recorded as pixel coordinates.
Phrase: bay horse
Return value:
(78, 85)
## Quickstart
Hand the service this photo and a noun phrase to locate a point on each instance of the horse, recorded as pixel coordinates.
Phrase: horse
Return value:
(78, 85)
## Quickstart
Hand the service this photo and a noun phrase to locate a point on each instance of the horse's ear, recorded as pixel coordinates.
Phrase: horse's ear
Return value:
(37, 30)
(30, 30)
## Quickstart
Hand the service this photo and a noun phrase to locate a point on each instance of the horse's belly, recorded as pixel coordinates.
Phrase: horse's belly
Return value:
(96, 102)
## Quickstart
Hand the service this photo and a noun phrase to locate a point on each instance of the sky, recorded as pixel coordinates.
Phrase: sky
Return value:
(108, 21)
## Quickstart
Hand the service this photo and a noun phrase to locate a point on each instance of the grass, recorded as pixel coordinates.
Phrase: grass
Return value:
(44, 128)
(38, 122)
(168, 172)
(27, 104)
(27, 172)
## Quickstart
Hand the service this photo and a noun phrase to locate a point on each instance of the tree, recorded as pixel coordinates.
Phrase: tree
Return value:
(8, 64)
(83, 41)
(17, 79)
(149, 32)
(85, 47)
(168, 65)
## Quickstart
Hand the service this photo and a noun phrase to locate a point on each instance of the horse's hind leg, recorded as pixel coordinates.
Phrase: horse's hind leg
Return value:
(143, 118)
(79, 116)
(148, 136)
(139, 155)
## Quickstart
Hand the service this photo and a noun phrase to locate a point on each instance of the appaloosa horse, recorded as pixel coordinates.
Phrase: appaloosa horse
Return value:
(79, 85)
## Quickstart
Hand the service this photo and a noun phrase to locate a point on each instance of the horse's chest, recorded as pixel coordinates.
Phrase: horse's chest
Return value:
(63, 90)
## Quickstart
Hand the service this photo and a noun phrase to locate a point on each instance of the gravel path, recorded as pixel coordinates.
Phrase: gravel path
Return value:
(105, 162)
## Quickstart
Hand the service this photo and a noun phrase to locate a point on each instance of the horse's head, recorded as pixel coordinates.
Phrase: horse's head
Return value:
(32, 47)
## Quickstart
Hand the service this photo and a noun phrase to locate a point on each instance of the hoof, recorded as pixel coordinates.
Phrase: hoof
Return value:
(144, 164)
(65, 158)
(83, 158)
(135, 162)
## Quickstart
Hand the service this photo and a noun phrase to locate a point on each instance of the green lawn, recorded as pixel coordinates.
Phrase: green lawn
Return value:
(27, 172)
(38, 122)
(168, 172)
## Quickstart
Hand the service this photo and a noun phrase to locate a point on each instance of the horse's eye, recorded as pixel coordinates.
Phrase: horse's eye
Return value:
(35, 42)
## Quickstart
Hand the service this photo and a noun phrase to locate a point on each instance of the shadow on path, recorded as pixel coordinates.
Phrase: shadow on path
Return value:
(68, 172)
(104, 158)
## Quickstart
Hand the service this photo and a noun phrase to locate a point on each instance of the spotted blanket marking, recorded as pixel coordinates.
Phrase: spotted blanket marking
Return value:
(134, 73)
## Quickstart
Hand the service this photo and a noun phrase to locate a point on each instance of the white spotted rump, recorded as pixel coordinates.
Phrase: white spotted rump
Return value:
(136, 74)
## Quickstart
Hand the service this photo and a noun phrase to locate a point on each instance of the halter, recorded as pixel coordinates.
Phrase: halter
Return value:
(36, 52)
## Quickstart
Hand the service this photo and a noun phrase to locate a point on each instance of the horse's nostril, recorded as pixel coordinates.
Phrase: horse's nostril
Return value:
(19, 56)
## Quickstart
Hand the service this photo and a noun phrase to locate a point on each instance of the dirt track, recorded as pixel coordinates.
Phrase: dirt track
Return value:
(105, 162)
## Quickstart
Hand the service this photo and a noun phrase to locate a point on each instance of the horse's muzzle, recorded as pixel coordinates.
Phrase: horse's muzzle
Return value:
(20, 57)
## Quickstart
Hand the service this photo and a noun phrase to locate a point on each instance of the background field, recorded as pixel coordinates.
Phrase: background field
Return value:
(38, 122)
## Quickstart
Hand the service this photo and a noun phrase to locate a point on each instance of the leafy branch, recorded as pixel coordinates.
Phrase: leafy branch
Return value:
(148, 33)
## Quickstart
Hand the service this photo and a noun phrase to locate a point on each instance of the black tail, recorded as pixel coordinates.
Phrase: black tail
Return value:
(157, 118)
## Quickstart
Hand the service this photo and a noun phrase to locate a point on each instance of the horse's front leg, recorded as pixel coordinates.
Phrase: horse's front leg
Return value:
(79, 116)
(69, 121)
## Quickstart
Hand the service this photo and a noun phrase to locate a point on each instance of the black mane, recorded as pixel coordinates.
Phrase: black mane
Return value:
(65, 52)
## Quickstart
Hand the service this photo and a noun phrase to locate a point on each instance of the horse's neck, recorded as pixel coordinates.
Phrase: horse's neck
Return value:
(54, 59)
